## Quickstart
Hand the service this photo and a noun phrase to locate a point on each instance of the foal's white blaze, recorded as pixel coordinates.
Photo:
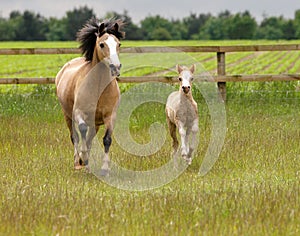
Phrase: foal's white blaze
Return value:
(186, 78)
(112, 45)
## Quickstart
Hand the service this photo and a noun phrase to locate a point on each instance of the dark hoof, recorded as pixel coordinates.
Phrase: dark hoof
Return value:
(104, 172)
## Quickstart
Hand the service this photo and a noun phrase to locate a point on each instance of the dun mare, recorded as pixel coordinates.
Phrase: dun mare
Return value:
(182, 112)
(87, 88)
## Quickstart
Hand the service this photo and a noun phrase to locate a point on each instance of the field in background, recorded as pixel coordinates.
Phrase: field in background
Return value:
(253, 189)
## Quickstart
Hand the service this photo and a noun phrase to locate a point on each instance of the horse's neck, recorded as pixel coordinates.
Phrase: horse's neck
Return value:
(184, 96)
(188, 98)
(96, 59)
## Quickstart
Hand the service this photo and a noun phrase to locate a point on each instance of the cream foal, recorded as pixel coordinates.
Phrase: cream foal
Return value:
(182, 112)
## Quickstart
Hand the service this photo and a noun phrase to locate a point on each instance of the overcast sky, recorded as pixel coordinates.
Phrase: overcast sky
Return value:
(139, 9)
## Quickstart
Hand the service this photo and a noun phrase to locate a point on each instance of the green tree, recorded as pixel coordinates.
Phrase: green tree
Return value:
(7, 32)
(161, 34)
(271, 28)
(194, 23)
(297, 24)
(216, 28)
(133, 32)
(242, 26)
(152, 26)
(75, 20)
(56, 30)
(28, 26)
(289, 30)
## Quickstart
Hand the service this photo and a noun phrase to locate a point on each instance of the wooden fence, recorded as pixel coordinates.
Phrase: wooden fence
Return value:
(221, 78)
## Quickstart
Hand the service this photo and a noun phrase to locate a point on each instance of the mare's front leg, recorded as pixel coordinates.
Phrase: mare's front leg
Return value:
(81, 139)
(107, 140)
(106, 161)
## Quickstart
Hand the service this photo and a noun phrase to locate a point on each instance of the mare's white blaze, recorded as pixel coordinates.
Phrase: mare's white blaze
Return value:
(112, 45)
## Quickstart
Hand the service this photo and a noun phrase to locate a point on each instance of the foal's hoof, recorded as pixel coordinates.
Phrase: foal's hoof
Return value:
(187, 159)
(104, 172)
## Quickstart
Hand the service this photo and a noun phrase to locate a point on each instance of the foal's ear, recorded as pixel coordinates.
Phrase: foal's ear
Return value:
(179, 68)
(193, 68)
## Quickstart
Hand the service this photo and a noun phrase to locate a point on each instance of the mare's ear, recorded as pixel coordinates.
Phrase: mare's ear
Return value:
(116, 27)
(179, 68)
(100, 29)
(193, 68)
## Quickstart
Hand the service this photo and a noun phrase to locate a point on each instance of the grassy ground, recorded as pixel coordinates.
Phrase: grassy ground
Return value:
(253, 189)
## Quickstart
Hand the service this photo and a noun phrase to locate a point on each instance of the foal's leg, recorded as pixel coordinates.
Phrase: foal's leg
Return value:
(184, 143)
(172, 129)
(193, 141)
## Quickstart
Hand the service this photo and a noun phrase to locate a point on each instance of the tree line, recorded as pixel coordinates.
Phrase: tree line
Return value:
(30, 26)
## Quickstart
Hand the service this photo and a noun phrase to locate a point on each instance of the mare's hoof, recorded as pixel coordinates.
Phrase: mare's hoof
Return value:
(77, 166)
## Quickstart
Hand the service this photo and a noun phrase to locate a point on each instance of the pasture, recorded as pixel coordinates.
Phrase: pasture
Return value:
(253, 188)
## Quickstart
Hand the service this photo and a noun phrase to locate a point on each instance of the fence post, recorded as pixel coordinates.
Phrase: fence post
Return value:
(221, 71)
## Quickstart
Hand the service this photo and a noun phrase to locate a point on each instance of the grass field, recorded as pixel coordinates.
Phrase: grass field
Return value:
(253, 188)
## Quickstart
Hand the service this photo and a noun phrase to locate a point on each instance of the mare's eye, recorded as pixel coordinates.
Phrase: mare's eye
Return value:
(192, 79)
(101, 45)
(180, 78)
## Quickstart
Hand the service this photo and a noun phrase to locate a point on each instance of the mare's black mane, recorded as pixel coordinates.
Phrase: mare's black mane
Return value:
(87, 36)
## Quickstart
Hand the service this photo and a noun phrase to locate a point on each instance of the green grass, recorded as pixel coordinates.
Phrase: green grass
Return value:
(253, 188)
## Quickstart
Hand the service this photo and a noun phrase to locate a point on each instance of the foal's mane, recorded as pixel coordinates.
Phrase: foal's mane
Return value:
(87, 36)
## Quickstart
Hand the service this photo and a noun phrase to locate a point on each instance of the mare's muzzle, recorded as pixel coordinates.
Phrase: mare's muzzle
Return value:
(115, 69)
(186, 89)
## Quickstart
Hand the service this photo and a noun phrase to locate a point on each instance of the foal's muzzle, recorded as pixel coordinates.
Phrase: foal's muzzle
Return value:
(186, 89)
(115, 69)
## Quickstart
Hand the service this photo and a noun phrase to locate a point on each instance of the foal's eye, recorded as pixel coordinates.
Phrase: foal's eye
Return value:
(192, 79)
(180, 78)
(101, 45)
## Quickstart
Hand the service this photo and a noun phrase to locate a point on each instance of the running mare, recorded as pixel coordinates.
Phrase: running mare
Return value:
(87, 89)
(182, 112)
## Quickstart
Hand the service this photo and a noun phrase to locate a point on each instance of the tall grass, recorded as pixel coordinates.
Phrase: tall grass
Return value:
(253, 189)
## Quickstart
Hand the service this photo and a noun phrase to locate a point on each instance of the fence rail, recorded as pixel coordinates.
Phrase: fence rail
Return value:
(169, 79)
(158, 49)
(221, 78)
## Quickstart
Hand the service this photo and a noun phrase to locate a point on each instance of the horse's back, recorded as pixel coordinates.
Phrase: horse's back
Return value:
(66, 80)
(70, 68)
